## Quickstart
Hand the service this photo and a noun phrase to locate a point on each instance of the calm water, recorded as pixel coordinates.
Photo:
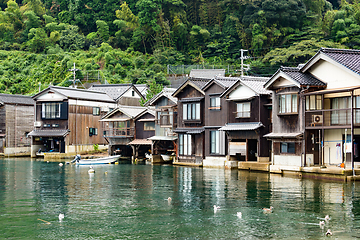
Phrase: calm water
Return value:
(130, 202)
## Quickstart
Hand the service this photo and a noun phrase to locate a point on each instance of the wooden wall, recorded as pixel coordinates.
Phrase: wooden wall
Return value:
(189, 92)
(215, 117)
(139, 127)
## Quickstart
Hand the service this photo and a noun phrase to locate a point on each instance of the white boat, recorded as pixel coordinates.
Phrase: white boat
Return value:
(167, 158)
(94, 161)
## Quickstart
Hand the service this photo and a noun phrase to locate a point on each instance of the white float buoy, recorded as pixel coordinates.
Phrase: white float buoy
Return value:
(216, 208)
(239, 214)
(61, 164)
(61, 217)
(327, 218)
(268, 210)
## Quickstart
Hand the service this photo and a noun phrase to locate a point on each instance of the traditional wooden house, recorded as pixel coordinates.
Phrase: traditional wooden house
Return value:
(288, 126)
(120, 129)
(191, 121)
(67, 120)
(144, 129)
(124, 94)
(164, 140)
(17, 117)
(248, 118)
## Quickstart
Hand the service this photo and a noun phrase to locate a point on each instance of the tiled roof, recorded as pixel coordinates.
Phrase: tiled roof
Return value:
(207, 73)
(49, 133)
(302, 78)
(140, 142)
(200, 82)
(142, 88)
(254, 83)
(80, 94)
(132, 111)
(16, 99)
(348, 58)
(166, 92)
(283, 135)
(113, 90)
(191, 130)
(241, 126)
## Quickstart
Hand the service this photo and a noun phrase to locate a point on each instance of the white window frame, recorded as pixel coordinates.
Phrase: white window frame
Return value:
(217, 142)
(215, 103)
(51, 110)
(185, 144)
(191, 111)
(243, 110)
(288, 103)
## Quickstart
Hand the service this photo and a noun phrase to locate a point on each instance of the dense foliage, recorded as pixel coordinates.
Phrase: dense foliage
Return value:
(134, 40)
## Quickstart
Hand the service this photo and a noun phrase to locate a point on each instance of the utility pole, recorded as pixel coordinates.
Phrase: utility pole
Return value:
(74, 70)
(242, 62)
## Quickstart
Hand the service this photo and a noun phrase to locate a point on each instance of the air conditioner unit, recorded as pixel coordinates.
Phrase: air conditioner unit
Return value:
(317, 119)
(37, 124)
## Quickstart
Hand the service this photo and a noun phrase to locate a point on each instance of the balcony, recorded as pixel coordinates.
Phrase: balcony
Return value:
(119, 132)
(331, 118)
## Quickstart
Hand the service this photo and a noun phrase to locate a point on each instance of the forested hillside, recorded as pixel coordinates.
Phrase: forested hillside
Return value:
(133, 41)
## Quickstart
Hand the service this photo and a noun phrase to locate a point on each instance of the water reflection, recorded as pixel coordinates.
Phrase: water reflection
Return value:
(130, 201)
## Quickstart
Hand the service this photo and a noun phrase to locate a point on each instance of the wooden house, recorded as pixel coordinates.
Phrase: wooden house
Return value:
(67, 120)
(120, 128)
(288, 127)
(164, 141)
(17, 117)
(191, 121)
(248, 118)
(124, 94)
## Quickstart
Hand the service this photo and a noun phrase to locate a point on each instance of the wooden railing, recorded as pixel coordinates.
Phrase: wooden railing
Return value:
(331, 117)
(119, 132)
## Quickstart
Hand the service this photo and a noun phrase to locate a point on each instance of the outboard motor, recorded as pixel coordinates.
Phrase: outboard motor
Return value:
(76, 159)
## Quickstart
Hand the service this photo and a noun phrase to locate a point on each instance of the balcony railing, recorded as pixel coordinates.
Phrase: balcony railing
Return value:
(119, 132)
(331, 118)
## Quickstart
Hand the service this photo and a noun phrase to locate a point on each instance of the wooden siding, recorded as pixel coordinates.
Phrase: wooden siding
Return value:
(139, 128)
(19, 121)
(277, 149)
(215, 117)
(129, 101)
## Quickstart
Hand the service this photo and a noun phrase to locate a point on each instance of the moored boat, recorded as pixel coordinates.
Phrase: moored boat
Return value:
(94, 161)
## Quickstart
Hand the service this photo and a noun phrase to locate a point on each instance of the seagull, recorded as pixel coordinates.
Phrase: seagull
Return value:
(322, 224)
(327, 218)
(328, 233)
(61, 217)
(169, 199)
(216, 208)
(239, 214)
(268, 210)
(91, 170)
(61, 164)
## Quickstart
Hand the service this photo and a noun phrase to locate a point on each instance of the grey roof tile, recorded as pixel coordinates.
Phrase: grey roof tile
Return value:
(348, 57)
(16, 99)
(254, 83)
(113, 90)
(82, 94)
(302, 78)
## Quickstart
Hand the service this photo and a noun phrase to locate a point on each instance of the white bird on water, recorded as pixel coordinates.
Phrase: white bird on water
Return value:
(61, 217)
(328, 233)
(61, 164)
(216, 208)
(327, 218)
(239, 214)
(91, 170)
(268, 210)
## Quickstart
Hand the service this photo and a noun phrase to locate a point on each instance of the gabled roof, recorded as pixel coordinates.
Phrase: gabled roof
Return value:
(296, 76)
(115, 91)
(348, 58)
(166, 92)
(142, 88)
(254, 83)
(197, 83)
(16, 99)
(149, 111)
(223, 82)
(75, 93)
(130, 111)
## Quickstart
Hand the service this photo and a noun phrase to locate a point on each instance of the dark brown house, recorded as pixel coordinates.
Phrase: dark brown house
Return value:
(191, 121)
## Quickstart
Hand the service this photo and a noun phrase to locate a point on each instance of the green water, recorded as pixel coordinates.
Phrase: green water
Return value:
(130, 202)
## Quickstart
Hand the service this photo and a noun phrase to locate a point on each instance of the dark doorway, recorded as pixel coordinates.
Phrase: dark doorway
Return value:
(252, 149)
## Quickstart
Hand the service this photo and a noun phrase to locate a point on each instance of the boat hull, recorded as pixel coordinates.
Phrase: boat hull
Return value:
(104, 160)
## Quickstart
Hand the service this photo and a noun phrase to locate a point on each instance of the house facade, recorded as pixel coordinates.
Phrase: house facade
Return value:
(164, 142)
(67, 120)
(191, 121)
(17, 117)
(248, 119)
(119, 128)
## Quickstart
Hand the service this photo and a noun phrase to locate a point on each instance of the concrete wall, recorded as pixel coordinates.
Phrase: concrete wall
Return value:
(17, 150)
(287, 160)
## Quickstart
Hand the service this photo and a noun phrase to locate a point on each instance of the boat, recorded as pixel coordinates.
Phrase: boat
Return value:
(94, 161)
(167, 158)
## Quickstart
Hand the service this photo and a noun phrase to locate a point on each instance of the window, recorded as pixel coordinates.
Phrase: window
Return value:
(288, 103)
(93, 131)
(149, 126)
(287, 147)
(133, 93)
(50, 110)
(313, 102)
(164, 117)
(96, 111)
(217, 142)
(243, 110)
(191, 111)
(341, 116)
(185, 147)
(214, 103)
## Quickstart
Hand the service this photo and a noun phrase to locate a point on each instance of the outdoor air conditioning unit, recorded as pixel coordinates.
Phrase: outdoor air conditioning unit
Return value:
(317, 119)
(37, 124)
